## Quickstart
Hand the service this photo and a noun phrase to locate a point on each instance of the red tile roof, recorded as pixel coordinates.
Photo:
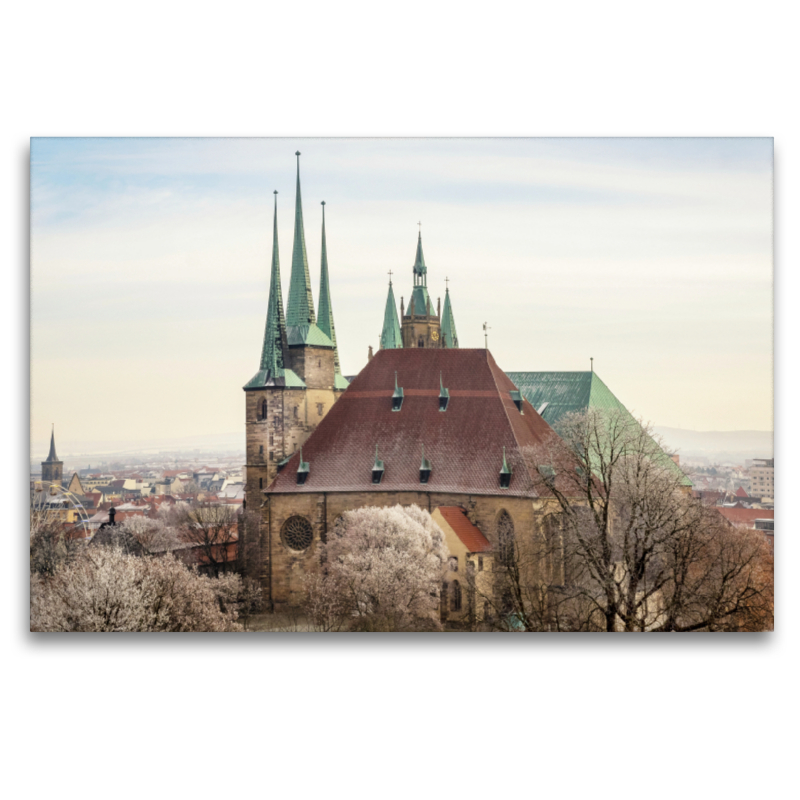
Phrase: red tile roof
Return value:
(746, 516)
(740, 492)
(464, 443)
(470, 536)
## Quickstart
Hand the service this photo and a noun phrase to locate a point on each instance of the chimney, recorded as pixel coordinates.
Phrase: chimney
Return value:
(369, 355)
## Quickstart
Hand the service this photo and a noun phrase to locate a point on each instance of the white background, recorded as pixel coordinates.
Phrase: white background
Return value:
(373, 717)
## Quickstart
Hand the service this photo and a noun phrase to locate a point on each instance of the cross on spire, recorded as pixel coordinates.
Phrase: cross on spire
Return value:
(390, 277)
(447, 284)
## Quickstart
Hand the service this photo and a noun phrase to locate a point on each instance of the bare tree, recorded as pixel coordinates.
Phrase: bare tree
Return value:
(212, 527)
(626, 547)
(106, 589)
(379, 570)
(51, 544)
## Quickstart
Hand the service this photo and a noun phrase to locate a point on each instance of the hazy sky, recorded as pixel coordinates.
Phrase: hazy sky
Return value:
(150, 267)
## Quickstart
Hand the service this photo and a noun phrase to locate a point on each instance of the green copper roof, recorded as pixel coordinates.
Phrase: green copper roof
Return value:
(339, 381)
(271, 371)
(300, 306)
(505, 469)
(390, 335)
(554, 394)
(449, 335)
(419, 262)
(309, 335)
(419, 303)
(325, 323)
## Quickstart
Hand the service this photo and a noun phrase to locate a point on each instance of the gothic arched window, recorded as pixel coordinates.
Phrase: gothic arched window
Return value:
(455, 591)
(505, 538)
(263, 409)
(421, 342)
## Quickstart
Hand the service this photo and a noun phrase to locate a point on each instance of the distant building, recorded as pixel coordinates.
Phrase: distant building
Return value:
(52, 468)
(762, 478)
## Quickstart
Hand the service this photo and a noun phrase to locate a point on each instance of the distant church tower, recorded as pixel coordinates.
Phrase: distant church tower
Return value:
(299, 376)
(52, 468)
(419, 325)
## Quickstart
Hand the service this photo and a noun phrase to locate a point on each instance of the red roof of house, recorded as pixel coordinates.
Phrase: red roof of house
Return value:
(746, 516)
(464, 443)
(470, 536)
(740, 492)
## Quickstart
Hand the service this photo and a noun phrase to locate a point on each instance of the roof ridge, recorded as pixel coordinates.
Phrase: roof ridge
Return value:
(506, 411)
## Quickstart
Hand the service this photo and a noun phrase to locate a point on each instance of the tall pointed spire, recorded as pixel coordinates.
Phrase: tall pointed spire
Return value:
(419, 304)
(449, 335)
(300, 306)
(420, 270)
(271, 370)
(391, 338)
(325, 322)
(52, 454)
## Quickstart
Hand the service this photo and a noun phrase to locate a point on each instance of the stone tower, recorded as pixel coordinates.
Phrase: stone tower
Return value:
(421, 326)
(52, 468)
(299, 377)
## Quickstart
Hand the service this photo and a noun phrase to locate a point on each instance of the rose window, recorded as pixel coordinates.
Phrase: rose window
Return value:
(297, 533)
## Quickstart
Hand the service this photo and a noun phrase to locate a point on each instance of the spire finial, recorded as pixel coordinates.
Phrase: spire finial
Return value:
(486, 330)
(390, 277)
(591, 363)
(447, 284)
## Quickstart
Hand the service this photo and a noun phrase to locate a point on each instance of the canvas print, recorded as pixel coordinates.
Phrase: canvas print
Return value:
(401, 385)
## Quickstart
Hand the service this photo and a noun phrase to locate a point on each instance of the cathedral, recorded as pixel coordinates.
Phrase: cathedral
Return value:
(425, 422)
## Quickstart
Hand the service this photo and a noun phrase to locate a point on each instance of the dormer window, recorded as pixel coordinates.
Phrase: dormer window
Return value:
(549, 474)
(302, 470)
(377, 468)
(505, 473)
(517, 398)
(444, 395)
(424, 468)
(397, 397)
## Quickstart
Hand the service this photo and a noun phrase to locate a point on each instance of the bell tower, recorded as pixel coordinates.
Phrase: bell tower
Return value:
(421, 326)
(52, 468)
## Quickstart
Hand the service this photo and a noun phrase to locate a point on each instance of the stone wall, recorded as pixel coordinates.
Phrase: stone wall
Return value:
(282, 568)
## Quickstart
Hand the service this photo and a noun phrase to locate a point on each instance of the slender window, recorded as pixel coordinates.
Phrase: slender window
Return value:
(455, 589)
(263, 409)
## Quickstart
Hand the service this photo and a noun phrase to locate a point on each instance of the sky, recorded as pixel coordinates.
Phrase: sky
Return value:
(150, 267)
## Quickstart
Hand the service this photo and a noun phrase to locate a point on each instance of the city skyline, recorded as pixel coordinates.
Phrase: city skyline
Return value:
(150, 265)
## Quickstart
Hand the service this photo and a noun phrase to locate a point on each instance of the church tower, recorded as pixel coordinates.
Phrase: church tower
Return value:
(421, 326)
(298, 379)
(52, 468)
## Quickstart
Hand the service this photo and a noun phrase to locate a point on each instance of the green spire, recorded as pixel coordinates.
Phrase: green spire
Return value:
(300, 306)
(390, 335)
(419, 304)
(275, 331)
(449, 335)
(419, 263)
(271, 371)
(325, 308)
